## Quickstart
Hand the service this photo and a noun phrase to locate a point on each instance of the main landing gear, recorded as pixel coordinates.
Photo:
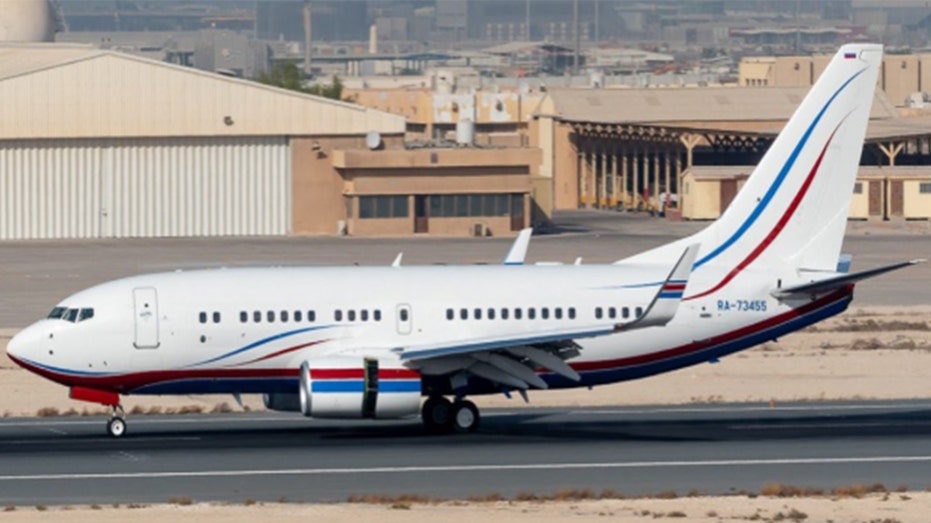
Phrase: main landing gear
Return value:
(441, 416)
(116, 427)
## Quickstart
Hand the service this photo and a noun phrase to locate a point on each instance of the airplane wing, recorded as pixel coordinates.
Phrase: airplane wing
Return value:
(519, 249)
(510, 360)
(837, 282)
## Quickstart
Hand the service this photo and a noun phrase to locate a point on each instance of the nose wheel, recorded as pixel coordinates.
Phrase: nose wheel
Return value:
(116, 427)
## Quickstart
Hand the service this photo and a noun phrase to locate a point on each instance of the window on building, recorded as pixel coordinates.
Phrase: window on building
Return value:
(858, 188)
(924, 188)
(464, 205)
(383, 207)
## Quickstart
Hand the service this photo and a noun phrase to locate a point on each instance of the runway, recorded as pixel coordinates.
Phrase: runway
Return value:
(635, 450)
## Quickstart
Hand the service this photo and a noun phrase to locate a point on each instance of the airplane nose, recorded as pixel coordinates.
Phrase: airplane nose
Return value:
(14, 346)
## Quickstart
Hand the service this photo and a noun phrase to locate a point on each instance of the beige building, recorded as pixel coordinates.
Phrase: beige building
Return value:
(100, 144)
(900, 77)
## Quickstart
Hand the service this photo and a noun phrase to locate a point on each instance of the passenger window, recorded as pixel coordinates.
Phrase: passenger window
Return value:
(598, 313)
(351, 314)
(377, 314)
(504, 313)
(284, 316)
(311, 316)
(270, 315)
(404, 315)
(86, 314)
(545, 313)
(639, 311)
(216, 317)
(517, 313)
(72, 315)
(557, 312)
(257, 316)
(571, 313)
(298, 316)
(338, 315)
(612, 312)
(491, 313)
(364, 315)
(463, 314)
(57, 313)
(450, 314)
(203, 317)
(243, 316)
(478, 314)
(625, 312)
(531, 313)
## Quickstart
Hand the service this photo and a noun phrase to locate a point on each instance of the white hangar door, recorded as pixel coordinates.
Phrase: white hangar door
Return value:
(145, 187)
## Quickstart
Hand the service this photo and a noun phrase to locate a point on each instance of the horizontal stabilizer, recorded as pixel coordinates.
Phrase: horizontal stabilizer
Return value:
(837, 282)
(519, 249)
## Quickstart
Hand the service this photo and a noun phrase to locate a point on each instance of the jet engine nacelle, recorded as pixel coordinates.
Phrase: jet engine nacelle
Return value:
(357, 387)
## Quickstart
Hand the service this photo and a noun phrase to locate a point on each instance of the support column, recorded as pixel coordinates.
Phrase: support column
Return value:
(614, 197)
(689, 141)
(655, 182)
(635, 183)
(625, 165)
(603, 197)
(666, 169)
(678, 180)
(891, 150)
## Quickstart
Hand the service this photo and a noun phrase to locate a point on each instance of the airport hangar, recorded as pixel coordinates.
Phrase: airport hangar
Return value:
(622, 148)
(101, 144)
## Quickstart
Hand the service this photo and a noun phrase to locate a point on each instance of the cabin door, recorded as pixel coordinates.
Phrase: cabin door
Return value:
(145, 306)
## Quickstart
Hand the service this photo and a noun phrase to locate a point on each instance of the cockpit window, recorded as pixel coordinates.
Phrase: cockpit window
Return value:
(57, 313)
(86, 314)
(72, 315)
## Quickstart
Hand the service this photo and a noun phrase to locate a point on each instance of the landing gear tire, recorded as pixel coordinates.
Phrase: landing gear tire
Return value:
(465, 417)
(437, 414)
(116, 427)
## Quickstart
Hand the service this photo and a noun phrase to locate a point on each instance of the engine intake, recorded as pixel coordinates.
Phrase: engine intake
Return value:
(356, 387)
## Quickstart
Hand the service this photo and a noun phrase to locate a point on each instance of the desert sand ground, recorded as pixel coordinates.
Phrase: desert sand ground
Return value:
(900, 507)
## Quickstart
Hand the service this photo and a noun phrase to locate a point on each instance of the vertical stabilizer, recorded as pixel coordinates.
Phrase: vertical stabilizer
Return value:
(792, 211)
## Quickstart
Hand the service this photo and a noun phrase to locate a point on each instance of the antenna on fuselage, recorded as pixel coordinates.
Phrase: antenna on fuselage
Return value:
(397, 261)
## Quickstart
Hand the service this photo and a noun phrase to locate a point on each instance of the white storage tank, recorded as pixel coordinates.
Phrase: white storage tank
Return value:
(465, 132)
(27, 21)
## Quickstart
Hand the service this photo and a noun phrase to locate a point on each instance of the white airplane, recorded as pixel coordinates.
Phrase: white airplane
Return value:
(371, 342)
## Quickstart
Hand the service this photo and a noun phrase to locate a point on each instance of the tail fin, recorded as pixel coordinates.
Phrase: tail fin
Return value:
(792, 211)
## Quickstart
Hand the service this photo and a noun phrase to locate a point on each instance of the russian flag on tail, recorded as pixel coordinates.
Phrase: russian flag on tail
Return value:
(849, 56)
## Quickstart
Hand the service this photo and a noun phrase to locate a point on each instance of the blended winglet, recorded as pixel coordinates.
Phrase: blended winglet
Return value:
(518, 250)
(666, 302)
(831, 284)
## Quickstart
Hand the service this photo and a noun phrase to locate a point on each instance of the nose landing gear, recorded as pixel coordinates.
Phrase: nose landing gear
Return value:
(116, 426)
